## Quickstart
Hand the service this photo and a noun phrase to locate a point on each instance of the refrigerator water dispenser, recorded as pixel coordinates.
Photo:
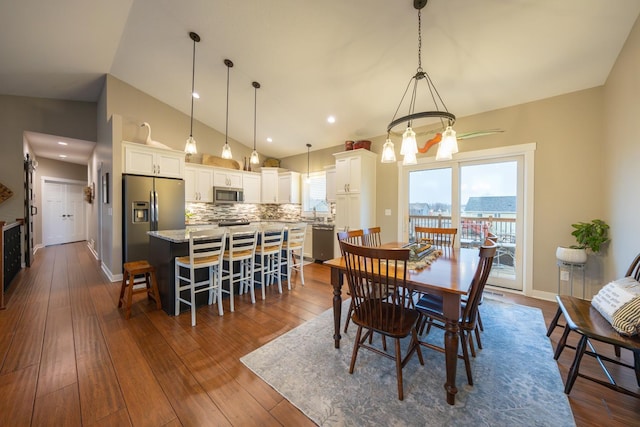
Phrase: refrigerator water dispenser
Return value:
(140, 211)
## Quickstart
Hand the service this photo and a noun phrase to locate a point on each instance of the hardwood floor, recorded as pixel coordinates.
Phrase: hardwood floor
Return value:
(69, 358)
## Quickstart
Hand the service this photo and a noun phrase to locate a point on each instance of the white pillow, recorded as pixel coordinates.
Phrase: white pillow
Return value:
(619, 303)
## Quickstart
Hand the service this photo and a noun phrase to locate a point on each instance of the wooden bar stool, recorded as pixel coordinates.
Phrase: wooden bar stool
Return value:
(130, 271)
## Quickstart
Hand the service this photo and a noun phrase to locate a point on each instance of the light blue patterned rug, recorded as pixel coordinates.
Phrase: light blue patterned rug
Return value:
(517, 382)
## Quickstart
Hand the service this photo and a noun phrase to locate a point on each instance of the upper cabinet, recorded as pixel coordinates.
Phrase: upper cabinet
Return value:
(227, 178)
(289, 187)
(198, 183)
(251, 187)
(280, 187)
(330, 180)
(356, 191)
(144, 160)
(349, 171)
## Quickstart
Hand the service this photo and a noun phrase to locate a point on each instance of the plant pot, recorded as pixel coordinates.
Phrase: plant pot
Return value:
(571, 255)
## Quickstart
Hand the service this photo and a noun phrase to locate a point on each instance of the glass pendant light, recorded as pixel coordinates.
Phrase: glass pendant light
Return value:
(255, 159)
(388, 152)
(226, 150)
(190, 146)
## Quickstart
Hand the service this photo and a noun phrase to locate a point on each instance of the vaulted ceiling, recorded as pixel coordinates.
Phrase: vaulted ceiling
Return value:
(348, 58)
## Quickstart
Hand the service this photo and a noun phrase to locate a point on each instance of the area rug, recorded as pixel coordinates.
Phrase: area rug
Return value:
(516, 380)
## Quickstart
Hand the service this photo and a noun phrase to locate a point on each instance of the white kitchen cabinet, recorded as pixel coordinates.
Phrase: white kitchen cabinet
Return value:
(251, 187)
(227, 178)
(330, 179)
(289, 187)
(307, 251)
(144, 160)
(269, 185)
(355, 191)
(198, 183)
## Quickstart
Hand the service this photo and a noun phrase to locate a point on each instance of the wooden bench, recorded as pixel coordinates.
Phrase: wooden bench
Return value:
(585, 320)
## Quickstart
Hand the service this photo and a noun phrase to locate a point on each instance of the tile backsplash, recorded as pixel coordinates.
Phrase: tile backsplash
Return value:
(208, 212)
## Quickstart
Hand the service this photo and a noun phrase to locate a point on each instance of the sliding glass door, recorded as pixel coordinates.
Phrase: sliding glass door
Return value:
(478, 195)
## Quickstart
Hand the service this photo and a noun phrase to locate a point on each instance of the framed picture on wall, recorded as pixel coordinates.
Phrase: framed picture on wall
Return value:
(105, 188)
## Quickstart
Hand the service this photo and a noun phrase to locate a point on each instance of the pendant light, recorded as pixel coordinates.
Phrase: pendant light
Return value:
(226, 150)
(254, 155)
(190, 146)
(308, 177)
(409, 147)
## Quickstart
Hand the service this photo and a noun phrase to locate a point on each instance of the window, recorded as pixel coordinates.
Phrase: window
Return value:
(314, 193)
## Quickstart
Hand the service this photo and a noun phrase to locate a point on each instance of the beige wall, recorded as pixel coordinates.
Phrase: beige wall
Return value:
(619, 168)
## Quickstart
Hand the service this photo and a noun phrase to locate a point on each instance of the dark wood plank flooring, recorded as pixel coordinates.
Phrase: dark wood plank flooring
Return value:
(68, 357)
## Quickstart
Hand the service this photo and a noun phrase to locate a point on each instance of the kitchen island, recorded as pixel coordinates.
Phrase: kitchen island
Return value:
(164, 247)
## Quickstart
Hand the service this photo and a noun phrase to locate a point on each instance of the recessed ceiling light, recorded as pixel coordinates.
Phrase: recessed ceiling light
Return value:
(62, 156)
(269, 140)
(62, 143)
(331, 119)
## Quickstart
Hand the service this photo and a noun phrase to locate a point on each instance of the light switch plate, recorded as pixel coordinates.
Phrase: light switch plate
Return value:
(387, 212)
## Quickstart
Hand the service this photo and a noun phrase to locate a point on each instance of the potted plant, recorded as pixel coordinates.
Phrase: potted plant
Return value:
(589, 235)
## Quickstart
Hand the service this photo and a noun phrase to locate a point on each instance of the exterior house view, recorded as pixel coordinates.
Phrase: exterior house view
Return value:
(94, 120)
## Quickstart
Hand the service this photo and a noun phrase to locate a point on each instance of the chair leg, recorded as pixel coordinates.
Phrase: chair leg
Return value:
(562, 343)
(399, 369)
(481, 327)
(573, 372)
(127, 314)
(554, 322)
(301, 267)
(346, 323)
(464, 340)
(218, 279)
(477, 332)
(231, 286)
(123, 287)
(356, 346)
(192, 291)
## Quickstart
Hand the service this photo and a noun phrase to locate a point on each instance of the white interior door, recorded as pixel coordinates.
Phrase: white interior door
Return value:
(63, 214)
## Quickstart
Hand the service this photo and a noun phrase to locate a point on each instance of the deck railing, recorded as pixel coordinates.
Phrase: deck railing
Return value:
(472, 230)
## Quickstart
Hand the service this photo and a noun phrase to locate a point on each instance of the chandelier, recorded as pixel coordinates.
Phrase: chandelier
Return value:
(409, 147)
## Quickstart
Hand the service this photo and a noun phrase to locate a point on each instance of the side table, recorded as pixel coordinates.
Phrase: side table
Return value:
(571, 268)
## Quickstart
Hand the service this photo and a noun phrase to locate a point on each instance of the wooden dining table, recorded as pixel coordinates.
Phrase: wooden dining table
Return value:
(449, 275)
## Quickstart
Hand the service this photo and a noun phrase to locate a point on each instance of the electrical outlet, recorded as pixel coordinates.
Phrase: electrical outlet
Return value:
(564, 275)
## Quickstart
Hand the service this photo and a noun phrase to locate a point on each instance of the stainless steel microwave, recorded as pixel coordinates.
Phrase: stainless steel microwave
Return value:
(227, 195)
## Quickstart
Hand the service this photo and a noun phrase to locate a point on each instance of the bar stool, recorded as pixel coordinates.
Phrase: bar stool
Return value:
(130, 271)
(205, 252)
(268, 256)
(241, 249)
(295, 247)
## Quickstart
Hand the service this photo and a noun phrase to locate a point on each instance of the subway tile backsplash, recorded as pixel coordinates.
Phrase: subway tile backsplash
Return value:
(208, 212)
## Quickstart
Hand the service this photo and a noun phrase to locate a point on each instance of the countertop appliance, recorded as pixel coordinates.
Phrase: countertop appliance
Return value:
(323, 238)
(149, 204)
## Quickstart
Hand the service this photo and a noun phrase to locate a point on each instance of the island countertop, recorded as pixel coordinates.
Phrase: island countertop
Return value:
(182, 235)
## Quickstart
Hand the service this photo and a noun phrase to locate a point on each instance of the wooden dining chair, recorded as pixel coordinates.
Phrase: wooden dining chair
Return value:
(352, 236)
(371, 237)
(433, 313)
(438, 236)
(377, 282)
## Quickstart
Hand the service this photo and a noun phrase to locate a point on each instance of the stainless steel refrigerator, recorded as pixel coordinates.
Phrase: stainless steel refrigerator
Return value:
(149, 204)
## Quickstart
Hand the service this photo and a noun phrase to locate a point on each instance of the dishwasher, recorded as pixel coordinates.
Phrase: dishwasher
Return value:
(323, 238)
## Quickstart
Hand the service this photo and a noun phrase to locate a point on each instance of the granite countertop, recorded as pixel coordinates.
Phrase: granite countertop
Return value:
(182, 235)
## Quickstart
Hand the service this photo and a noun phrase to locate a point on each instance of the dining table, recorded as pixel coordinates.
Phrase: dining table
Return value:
(449, 275)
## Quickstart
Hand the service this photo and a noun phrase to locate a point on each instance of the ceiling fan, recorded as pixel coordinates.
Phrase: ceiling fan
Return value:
(438, 137)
